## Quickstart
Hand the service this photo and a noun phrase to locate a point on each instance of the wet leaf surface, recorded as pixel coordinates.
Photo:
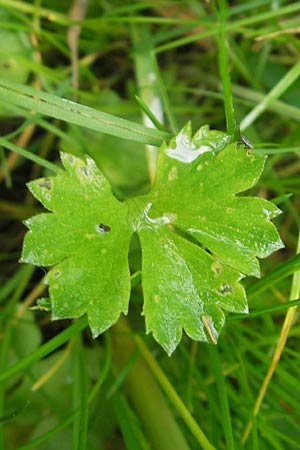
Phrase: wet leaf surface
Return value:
(198, 238)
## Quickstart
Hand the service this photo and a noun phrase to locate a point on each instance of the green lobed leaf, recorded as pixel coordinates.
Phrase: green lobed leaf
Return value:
(198, 238)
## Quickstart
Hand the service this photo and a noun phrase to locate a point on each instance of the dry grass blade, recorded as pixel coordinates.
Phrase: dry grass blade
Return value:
(77, 12)
(287, 324)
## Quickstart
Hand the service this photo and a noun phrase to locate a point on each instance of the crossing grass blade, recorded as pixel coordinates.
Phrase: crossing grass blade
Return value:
(69, 111)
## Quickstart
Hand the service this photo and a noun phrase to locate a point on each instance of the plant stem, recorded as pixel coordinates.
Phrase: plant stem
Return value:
(157, 418)
(224, 72)
(145, 70)
(8, 314)
(173, 396)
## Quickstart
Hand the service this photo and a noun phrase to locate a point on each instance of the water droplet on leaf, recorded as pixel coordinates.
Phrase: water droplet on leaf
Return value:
(171, 217)
(172, 174)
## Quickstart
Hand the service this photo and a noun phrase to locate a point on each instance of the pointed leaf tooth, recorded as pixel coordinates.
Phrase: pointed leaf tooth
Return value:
(193, 201)
(42, 189)
(187, 130)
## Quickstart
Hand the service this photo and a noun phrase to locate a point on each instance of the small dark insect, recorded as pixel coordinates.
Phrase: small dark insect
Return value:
(245, 141)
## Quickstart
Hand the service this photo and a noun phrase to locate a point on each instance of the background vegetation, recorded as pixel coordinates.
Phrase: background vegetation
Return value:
(58, 387)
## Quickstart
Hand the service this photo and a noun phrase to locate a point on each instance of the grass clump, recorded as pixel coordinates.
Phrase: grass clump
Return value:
(232, 66)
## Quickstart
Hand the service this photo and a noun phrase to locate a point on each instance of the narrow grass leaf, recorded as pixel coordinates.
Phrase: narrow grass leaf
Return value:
(284, 270)
(29, 155)
(276, 92)
(75, 113)
(44, 350)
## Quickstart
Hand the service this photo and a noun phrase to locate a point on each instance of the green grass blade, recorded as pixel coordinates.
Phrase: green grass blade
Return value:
(173, 396)
(262, 311)
(12, 283)
(223, 398)
(276, 92)
(78, 114)
(128, 422)
(214, 28)
(224, 71)
(68, 420)
(44, 350)
(284, 270)
(28, 155)
(80, 389)
(23, 7)
(7, 335)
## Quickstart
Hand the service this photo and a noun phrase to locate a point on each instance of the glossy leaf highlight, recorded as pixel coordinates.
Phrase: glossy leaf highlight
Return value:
(198, 238)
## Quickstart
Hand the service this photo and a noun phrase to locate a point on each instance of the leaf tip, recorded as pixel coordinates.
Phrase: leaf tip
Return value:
(187, 129)
(167, 337)
(68, 160)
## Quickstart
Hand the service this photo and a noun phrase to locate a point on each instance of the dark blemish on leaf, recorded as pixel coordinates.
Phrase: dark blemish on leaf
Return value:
(6, 65)
(85, 171)
(57, 274)
(225, 289)
(102, 228)
(46, 183)
(70, 158)
(216, 267)
(171, 227)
